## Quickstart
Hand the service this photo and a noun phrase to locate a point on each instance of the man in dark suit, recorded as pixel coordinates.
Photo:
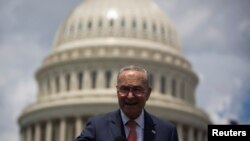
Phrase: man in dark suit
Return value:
(131, 122)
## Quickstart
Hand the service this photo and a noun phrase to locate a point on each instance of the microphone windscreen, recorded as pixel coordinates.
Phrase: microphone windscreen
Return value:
(120, 138)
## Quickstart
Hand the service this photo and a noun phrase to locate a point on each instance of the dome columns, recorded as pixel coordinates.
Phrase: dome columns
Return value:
(62, 130)
(190, 134)
(29, 134)
(179, 127)
(53, 132)
(87, 79)
(37, 132)
(92, 77)
(100, 79)
(79, 125)
(48, 130)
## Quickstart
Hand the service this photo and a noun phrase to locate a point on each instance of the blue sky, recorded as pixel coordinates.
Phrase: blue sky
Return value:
(214, 34)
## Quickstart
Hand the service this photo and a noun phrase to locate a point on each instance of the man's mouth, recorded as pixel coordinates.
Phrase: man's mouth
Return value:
(132, 103)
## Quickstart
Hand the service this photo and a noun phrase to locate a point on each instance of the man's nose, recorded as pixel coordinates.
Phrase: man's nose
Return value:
(130, 94)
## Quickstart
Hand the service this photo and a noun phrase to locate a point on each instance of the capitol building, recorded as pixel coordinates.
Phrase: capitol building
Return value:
(77, 79)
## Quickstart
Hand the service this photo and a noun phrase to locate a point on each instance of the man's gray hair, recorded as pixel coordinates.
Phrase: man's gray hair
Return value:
(135, 68)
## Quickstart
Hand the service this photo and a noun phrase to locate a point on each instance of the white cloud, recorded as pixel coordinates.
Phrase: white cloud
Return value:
(9, 136)
(238, 83)
(192, 20)
(19, 59)
(15, 98)
(220, 92)
(7, 12)
(170, 5)
(214, 35)
(244, 26)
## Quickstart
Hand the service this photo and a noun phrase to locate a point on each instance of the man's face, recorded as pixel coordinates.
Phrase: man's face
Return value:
(132, 92)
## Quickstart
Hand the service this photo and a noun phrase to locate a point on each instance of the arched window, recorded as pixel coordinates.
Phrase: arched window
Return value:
(154, 27)
(89, 25)
(80, 26)
(93, 77)
(170, 36)
(144, 26)
(33, 132)
(80, 80)
(108, 79)
(185, 132)
(100, 23)
(111, 22)
(163, 30)
(163, 85)
(122, 23)
(134, 24)
(67, 77)
(70, 129)
(195, 134)
(71, 30)
(182, 89)
(57, 81)
(24, 134)
(55, 130)
(173, 87)
(43, 131)
(48, 86)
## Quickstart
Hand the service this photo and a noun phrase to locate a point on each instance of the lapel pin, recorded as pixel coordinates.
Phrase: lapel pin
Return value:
(153, 131)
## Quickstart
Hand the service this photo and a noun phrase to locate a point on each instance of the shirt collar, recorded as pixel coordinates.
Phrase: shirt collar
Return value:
(139, 120)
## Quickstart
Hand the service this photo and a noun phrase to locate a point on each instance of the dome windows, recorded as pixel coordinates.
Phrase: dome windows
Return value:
(173, 87)
(89, 24)
(57, 83)
(154, 28)
(134, 24)
(71, 30)
(80, 26)
(67, 77)
(111, 22)
(122, 23)
(144, 25)
(80, 80)
(163, 84)
(93, 79)
(100, 23)
(162, 30)
(48, 86)
(108, 79)
(121, 27)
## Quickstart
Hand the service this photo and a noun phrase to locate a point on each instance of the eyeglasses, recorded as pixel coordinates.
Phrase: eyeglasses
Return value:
(136, 90)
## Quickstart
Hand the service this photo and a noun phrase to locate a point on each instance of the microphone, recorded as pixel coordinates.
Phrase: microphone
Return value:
(120, 138)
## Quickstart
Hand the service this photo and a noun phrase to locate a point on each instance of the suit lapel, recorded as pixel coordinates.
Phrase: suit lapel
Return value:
(117, 129)
(149, 128)
(116, 125)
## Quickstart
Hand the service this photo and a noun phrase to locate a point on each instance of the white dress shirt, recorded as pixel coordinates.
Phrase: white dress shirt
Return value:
(139, 125)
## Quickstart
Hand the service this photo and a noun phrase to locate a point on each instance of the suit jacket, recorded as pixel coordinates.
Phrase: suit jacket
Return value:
(109, 126)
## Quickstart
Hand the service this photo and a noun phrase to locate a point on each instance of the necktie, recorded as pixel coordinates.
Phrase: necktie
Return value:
(132, 130)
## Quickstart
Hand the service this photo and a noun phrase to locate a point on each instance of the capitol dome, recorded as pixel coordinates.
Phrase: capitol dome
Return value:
(77, 79)
(138, 20)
